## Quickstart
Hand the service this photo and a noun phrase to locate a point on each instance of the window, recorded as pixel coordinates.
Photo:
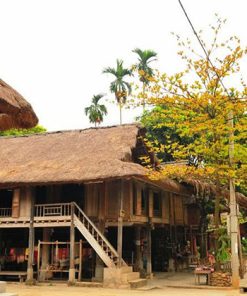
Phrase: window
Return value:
(134, 199)
(144, 196)
(140, 199)
(157, 204)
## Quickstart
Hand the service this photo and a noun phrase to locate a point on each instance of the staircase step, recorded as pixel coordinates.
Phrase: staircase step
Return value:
(135, 284)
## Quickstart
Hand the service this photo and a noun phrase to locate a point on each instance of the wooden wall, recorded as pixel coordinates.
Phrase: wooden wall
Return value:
(193, 214)
(101, 203)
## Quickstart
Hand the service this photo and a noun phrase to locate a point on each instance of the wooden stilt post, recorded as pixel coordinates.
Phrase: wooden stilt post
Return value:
(38, 261)
(44, 253)
(72, 248)
(30, 279)
(120, 225)
(99, 264)
(138, 265)
(80, 262)
(149, 251)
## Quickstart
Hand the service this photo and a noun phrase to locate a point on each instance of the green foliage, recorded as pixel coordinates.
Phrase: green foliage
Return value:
(96, 111)
(160, 134)
(244, 245)
(223, 253)
(38, 129)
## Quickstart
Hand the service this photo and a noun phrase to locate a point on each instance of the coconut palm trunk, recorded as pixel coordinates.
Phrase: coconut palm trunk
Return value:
(143, 94)
(120, 113)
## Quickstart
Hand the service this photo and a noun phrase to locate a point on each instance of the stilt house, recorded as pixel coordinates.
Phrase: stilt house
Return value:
(79, 204)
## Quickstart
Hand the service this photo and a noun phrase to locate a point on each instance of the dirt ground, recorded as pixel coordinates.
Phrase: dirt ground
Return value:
(64, 290)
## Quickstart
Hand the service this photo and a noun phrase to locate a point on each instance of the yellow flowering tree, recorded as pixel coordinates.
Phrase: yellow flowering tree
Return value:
(201, 103)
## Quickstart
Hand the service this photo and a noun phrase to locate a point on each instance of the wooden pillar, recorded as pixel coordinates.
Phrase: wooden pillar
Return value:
(16, 203)
(80, 260)
(138, 200)
(45, 253)
(72, 248)
(149, 250)
(138, 262)
(120, 224)
(99, 264)
(150, 204)
(31, 197)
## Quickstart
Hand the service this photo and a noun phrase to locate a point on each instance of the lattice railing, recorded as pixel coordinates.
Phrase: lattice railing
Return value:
(48, 210)
(5, 212)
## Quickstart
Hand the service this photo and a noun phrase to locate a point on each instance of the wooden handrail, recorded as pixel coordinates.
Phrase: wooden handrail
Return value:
(78, 209)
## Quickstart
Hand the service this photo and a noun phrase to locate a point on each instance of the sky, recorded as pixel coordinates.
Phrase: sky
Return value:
(53, 51)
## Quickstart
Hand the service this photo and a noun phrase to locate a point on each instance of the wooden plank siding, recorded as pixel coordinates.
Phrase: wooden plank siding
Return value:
(93, 194)
(165, 207)
(179, 211)
(142, 202)
(113, 192)
(172, 209)
(112, 199)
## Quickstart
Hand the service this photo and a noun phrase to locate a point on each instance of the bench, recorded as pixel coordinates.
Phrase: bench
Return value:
(22, 275)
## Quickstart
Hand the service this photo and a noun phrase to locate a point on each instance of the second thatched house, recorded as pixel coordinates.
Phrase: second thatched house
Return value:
(15, 111)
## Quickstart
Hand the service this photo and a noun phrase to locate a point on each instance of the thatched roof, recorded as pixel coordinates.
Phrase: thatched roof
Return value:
(71, 156)
(15, 111)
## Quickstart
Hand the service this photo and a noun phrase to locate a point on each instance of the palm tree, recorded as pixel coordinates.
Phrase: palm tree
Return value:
(96, 111)
(119, 87)
(145, 57)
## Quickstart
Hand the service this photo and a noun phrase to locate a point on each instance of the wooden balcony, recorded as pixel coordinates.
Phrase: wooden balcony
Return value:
(45, 215)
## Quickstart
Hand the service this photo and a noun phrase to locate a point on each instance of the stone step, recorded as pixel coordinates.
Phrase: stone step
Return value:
(126, 269)
(130, 276)
(2, 287)
(138, 283)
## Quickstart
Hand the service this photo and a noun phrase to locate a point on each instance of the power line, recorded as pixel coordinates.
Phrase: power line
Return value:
(203, 48)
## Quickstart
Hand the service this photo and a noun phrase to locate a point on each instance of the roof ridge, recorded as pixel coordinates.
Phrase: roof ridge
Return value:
(137, 124)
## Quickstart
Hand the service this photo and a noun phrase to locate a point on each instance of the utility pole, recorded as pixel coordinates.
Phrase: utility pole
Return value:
(120, 224)
(233, 210)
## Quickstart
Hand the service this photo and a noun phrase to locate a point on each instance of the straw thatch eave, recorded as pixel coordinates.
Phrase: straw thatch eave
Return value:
(69, 156)
(15, 111)
(168, 185)
(200, 187)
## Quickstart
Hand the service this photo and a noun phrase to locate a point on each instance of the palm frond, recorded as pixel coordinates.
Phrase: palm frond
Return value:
(145, 55)
(96, 98)
(109, 70)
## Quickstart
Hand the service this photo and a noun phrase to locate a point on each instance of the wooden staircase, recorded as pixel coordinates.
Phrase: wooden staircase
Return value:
(96, 239)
